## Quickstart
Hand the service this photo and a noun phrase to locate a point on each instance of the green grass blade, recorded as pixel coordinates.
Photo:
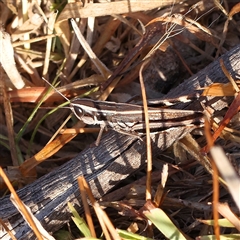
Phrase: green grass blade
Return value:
(160, 219)
(222, 237)
(131, 236)
(221, 222)
(79, 221)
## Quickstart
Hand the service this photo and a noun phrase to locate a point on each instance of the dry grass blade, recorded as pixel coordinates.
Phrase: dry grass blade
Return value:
(232, 111)
(9, 121)
(215, 200)
(229, 16)
(20, 204)
(50, 27)
(148, 139)
(60, 129)
(217, 3)
(105, 72)
(79, 130)
(228, 173)
(47, 151)
(29, 69)
(76, 10)
(232, 81)
(193, 148)
(199, 31)
(26, 23)
(38, 229)
(81, 183)
(219, 90)
(159, 196)
(37, 39)
(7, 230)
(105, 222)
(226, 212)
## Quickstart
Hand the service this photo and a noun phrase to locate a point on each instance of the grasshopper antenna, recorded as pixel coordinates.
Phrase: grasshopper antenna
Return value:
(55, 89)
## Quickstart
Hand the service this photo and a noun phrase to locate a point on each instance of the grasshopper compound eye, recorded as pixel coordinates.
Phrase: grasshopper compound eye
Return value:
(78, 111)
(83, 115)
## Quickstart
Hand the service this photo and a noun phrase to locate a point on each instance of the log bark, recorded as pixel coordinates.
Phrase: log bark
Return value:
(104, 166)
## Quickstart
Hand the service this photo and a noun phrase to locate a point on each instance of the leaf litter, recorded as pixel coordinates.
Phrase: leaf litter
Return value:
(179, 37)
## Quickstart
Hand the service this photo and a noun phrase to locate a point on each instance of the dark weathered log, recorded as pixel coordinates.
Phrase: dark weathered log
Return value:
(104, 166)
(210, 74)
